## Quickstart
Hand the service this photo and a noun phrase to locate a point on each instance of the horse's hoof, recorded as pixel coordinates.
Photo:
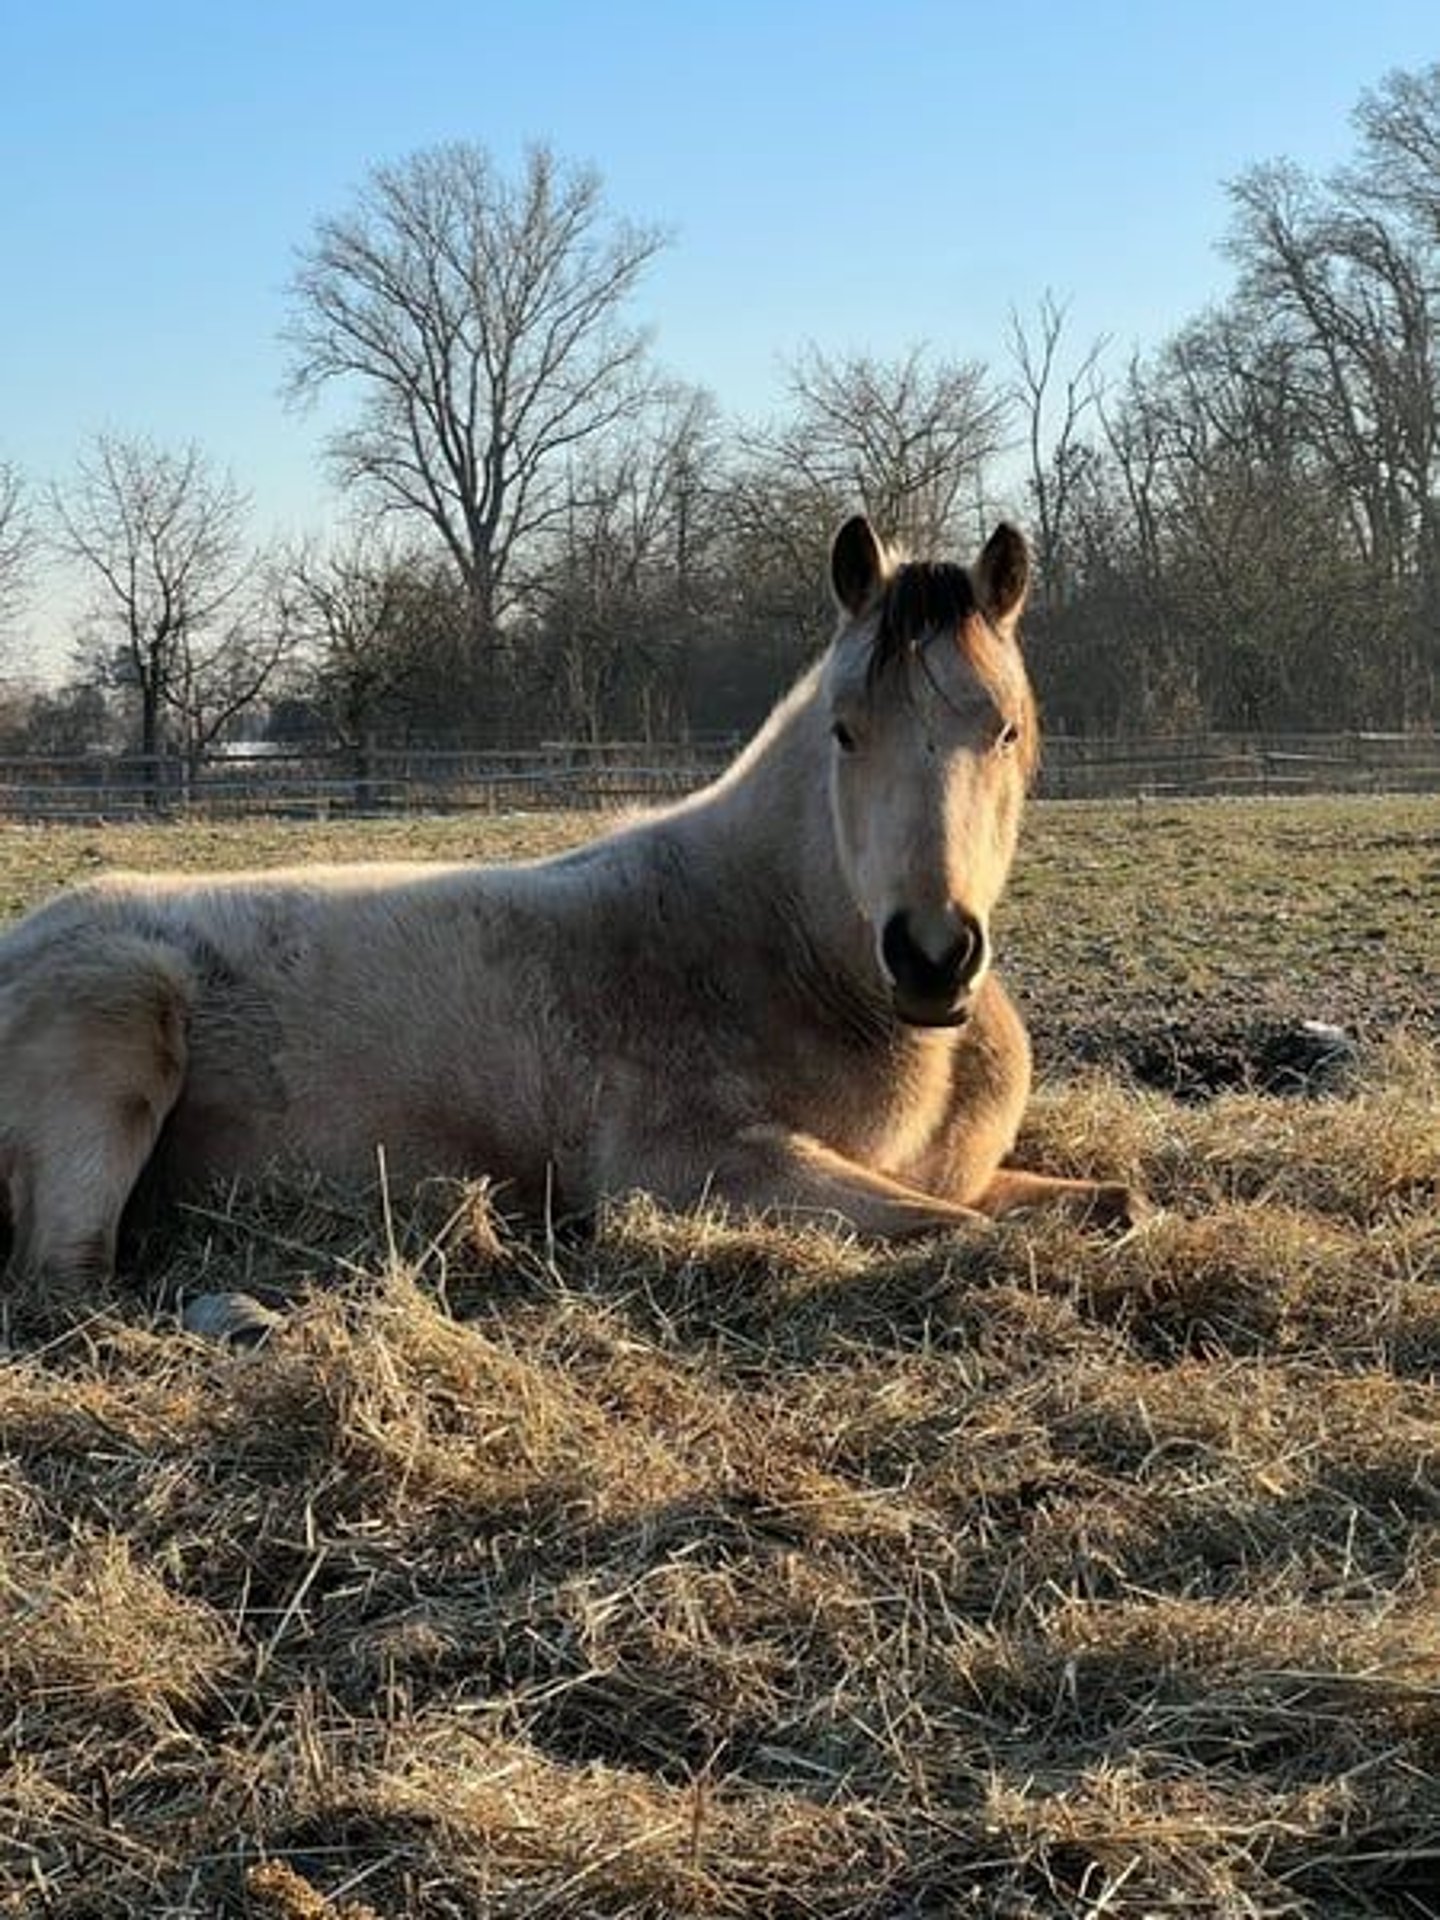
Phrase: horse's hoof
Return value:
(1118, 1208)
(236, 1318)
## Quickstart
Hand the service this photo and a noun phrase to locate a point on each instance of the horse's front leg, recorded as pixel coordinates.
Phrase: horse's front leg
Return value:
(1095, 1203)
(773, 1170)
(969, 1161)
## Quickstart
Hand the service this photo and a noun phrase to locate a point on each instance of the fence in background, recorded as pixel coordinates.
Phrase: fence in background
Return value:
(567, 774)
(1194, 765)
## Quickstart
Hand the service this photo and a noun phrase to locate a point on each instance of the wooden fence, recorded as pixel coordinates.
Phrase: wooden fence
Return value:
(567, 774)
(1212, 763)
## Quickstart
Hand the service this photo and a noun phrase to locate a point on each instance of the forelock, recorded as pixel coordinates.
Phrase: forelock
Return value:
(921, 598)
(933, 600)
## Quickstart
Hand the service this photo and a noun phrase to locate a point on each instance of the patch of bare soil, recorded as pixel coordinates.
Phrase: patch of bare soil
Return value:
(1267, 1043)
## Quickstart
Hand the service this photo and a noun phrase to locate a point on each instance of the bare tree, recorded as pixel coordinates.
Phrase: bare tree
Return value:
(222, 671)
(1349, 286)
(627, 582)
(906, 438)
(162, 537)
(481, 319)
(376, 621)
(1053, 401)
(1399, 163)
(17, 541)
(64, 722)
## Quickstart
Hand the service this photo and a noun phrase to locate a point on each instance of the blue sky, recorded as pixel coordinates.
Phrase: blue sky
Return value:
(860, 176)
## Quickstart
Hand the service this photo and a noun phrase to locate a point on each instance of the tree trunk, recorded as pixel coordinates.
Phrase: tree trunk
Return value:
(150, 740)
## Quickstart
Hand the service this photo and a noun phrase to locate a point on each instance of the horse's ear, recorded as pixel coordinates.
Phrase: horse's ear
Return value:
(859, 565)
(1002, 576)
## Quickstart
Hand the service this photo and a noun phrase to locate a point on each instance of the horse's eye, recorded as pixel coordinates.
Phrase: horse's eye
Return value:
(843, 737)
(1008, 737)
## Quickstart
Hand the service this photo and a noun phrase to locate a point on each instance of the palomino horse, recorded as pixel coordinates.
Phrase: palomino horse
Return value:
(775, 994)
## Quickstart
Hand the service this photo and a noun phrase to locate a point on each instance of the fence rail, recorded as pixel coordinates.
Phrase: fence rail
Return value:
(1199, 764)
(570, 774)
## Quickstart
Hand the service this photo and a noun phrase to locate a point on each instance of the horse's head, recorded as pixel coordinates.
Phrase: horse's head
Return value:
(933, 735)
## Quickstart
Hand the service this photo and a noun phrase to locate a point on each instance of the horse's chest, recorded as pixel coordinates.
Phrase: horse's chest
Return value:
(882, 1108)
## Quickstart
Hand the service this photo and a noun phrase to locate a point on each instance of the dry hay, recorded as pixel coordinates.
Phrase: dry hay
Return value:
(699, 1567)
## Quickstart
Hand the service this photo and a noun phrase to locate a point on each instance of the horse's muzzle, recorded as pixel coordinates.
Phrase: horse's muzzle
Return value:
(932, 978)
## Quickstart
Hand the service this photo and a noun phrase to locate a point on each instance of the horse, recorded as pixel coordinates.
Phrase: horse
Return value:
(775, 995)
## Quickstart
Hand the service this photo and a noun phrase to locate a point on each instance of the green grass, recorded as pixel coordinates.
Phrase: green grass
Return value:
(1218, 912)
(700, 1568)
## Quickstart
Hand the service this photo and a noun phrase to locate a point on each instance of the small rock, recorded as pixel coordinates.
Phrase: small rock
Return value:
(1312, 1057)
(238, 1318)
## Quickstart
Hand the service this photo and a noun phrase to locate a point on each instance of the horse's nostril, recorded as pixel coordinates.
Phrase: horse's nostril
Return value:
(969, 949)
(896, 947)
(967, 946)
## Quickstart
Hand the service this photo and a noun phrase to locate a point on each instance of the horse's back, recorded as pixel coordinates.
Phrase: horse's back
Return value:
(329, 1013)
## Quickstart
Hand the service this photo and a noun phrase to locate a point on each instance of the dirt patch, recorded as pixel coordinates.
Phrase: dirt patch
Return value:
(1198, 1057)
(1305, 1040)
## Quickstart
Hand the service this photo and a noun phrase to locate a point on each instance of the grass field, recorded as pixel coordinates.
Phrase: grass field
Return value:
(700, 1568)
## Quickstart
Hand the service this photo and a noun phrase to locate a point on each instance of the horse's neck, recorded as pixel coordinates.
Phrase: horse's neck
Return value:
(769, 811)
(768, 822)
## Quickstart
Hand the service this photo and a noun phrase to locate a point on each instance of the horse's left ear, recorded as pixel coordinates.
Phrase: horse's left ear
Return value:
(1002, 576)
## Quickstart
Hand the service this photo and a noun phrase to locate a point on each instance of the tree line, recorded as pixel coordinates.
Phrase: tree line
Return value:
(548, 536)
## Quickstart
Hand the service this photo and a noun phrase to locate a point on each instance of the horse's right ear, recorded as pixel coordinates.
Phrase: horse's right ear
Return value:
(859, 565)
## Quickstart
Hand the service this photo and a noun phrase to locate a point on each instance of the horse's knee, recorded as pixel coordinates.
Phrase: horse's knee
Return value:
(69, 1262)
(130, 1018)
(69, 1184)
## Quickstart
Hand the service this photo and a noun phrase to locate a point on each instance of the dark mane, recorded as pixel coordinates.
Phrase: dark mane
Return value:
(920, 598)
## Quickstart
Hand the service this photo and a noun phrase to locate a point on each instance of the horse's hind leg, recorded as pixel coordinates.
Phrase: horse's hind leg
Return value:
(92, 1058)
